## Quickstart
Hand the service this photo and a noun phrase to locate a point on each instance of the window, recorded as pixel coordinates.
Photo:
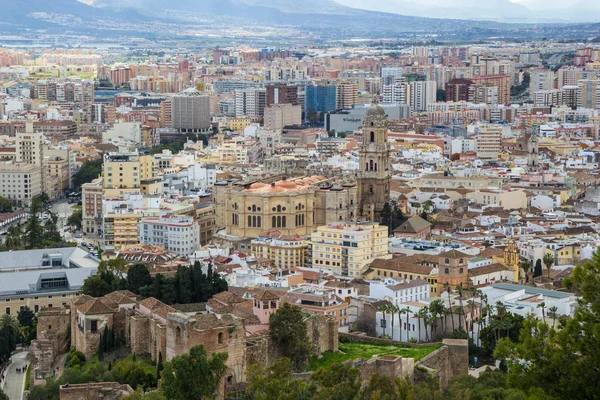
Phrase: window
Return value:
(383, 321)
(372, 135)
(7, 310)
(94, 325)
(461, 271)
(446, 271)
(220, 338)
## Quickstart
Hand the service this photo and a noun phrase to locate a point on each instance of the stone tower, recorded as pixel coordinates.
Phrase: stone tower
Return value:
(532, 147)
(374, 165)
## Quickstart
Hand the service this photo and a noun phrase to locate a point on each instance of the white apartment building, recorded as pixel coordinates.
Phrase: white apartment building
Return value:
(20, 182)
(250, 102)
(399, 291)
(178, 234)
(422, 93)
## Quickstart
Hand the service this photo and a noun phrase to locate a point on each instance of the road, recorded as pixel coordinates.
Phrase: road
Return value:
(63, 210)
(15, 381)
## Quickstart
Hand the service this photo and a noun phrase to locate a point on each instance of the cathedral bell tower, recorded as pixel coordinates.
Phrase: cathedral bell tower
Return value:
(374, 165)
(532, 148)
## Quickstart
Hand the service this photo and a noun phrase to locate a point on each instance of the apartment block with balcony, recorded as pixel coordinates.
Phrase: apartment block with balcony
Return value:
(178, 234)
(347, 249)
(120, 221)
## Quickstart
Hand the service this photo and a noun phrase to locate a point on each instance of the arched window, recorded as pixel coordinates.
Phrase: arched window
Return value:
(366, 166)
(371, 189)
(297, 220)
(253, 208)
(177, 334)
(446, 271)
(461, 271)
(371, 165)
(220, 337)
(447, 261)
(460, 261)
(254, 221)
(249, 221)
(375, 167)
(340, 205)
(278, 208)
(302, 219)
(279, 221)
(372, 123)
(372, 136)
(283, 224)
(259, 221)
(233, 218)
(274, 222)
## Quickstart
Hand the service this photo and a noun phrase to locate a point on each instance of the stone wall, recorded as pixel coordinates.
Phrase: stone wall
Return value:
(139, 337)
(357, 337)
(52, 340)
(448, 362)
(95, 391)
(323, 333)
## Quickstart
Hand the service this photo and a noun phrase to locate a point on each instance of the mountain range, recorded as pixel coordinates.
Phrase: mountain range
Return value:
(334, 18)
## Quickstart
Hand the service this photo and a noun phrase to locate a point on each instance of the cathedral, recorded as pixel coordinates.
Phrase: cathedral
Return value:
(298, 205)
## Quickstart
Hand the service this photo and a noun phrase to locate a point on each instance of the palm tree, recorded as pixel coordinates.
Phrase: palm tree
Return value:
(421, 314)
(393, 309)
(447, 290)
(406, 311)
(548, 260)
(459, 288)
(553, 312)
(500, 312)
(525, 266)
(384, 309)
(542, 305)
(437, 310)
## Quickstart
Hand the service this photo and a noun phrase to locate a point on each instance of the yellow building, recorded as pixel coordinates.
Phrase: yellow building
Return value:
(382, 268)
(347, 249)
(238, 124)
(126, 171)
(120, 221)
(286, 252)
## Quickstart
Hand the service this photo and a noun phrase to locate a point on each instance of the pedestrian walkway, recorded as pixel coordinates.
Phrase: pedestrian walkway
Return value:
(14, 382)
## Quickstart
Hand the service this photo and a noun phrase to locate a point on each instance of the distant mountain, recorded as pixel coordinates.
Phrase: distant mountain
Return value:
(28, 13)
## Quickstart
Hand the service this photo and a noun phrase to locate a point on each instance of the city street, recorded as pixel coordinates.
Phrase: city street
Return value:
(15, 381)
(63, 210)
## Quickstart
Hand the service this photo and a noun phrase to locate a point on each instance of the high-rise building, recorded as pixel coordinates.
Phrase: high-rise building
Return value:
(179, 234)
(588, 93)
(346, 95)
(395, 91)
(500, 81)
(374, 164)
(458, 89)
(91, 208)
(489, 142)
(190, 111)
(250, 102)
(347, 249)
(422, 93)
(540, 79)
(320, 98)
(20, 182)
(282, 94)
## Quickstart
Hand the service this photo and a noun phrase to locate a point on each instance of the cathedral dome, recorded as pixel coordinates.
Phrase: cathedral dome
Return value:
(375, 116)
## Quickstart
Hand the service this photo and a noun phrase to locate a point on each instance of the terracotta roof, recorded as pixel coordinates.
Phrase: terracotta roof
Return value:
(266, 295)
(488, 269)
(95, 306)
(454, 254)
(409, 284)
(397, 264)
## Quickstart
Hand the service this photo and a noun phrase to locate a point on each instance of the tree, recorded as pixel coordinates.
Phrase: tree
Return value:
(3, 396)
(27, 323)
(393, 309)
(380, 387)
(437, 310)
(447, 290)
(95, 286)
(89, 171)
(384, 309)
(193, 376)
(275, 382)
(288, 330)
(138, 276)
(34, 233)
(548, 262)
(553, 313)
(542, 305)
(440, 95)
(75, 219)
(421, 315)
(459, 289)
(406, 311)
(14, 238)
(336, 382)
(525, 266)
(5, 205)
(9, 336)
(365, 324)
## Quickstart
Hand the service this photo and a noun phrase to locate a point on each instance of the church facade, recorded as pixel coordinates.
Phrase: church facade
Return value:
(298, 205)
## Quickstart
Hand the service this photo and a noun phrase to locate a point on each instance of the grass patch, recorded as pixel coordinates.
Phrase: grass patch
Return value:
(354, 350)
(27, 379)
